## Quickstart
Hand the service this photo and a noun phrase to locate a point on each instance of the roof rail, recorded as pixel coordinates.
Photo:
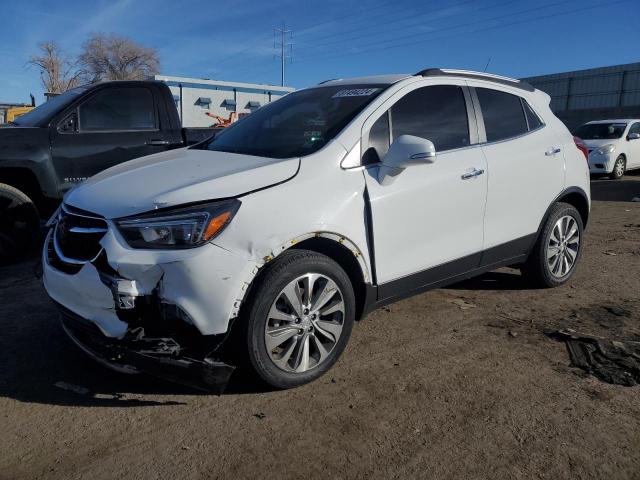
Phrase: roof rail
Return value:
(330, 80)
(439, 72)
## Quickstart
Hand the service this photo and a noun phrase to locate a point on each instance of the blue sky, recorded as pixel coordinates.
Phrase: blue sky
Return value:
(233, 40)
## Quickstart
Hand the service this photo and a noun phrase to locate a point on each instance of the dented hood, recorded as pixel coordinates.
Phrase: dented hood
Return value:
(177, 177)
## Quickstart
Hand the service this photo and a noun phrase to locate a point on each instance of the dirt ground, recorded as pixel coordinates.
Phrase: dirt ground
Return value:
(456, 383)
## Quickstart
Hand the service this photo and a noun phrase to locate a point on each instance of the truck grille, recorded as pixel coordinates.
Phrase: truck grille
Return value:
(75, 239)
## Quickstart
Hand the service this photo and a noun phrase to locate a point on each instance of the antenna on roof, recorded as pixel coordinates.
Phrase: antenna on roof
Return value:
(487, 65)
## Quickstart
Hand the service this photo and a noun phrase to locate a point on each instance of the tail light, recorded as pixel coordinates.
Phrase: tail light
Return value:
(582, 147)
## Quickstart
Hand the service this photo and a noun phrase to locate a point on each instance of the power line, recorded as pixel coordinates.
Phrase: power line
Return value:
(416, 19)
(286, 48)
(385, 45)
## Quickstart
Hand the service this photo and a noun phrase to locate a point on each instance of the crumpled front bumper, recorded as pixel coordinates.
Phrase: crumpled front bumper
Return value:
(135, 352)
(165, 313)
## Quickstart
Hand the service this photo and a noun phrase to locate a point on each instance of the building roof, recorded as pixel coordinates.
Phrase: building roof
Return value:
(220, 84)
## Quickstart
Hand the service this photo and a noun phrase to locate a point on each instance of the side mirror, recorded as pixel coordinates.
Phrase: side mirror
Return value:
(633, 136)
(405, 151)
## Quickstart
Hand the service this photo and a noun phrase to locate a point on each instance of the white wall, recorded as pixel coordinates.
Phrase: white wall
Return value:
(194, 112)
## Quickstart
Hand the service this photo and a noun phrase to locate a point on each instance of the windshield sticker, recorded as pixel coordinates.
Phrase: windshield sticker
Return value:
(356, 92)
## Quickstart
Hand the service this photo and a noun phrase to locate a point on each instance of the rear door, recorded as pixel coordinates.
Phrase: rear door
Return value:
(526, 170)
(115, 124)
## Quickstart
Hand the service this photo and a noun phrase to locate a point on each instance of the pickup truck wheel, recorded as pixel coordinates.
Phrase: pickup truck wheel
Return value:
(19, 224)
(299, 318)
(558, 249)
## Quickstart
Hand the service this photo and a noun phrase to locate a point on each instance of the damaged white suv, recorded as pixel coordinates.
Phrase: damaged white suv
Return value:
(266, 243)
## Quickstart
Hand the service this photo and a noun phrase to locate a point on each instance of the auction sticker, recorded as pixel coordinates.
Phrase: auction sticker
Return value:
(356, 92)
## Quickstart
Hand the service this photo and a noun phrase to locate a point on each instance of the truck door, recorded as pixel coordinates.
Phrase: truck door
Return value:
(115, 124)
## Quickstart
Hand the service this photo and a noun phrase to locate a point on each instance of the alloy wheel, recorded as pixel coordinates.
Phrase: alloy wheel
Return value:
(563, 246)
(304, 323)
(619, 168)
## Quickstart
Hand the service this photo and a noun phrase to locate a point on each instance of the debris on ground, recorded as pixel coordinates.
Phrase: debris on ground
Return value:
(613, 254)
(463, 304)
(259, 415)
(70, 387)
(612, 361)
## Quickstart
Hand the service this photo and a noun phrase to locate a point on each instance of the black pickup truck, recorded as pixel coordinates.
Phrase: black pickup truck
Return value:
(73, 136)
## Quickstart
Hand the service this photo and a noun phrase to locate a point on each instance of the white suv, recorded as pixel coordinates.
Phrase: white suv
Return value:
(614, 146)
(264, 244)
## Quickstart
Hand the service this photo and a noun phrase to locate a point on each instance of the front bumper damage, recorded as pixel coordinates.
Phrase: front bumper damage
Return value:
(135, 352)
(167, 314)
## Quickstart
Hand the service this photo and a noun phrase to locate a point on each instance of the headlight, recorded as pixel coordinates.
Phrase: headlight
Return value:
(610, 148)
(185, 227)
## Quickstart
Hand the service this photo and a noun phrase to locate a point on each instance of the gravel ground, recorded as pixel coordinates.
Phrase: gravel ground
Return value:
(457, 383)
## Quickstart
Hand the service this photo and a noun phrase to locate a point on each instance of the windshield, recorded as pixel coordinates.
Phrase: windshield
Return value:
(600, 131)
(296, 125)
(41, 114)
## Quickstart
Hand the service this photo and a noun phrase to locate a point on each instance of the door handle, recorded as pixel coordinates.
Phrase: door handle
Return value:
(158, 143)
(552, 151)
(472, 174)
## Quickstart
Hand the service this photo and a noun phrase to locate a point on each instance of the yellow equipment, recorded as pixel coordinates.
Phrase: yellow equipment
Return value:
(15, 112)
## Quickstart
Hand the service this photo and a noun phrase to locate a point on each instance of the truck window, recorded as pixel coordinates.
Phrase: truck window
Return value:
(118, 109)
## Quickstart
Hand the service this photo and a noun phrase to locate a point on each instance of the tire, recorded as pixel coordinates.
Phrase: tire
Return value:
(619, 168)
(269, 316)
(540, 269)
(19, 224)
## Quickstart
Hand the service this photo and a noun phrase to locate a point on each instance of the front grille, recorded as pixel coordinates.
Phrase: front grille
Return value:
(77, 236)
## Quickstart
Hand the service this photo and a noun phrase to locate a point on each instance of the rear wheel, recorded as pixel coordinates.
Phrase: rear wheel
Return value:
(619, 168)
(558, 249)
(19, 224)
(299, 318)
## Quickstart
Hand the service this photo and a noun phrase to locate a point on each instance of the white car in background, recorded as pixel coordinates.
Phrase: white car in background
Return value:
(264, 244)
(613, 145)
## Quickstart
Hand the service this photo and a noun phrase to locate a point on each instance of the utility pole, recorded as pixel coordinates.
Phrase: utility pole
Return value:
(286, 48)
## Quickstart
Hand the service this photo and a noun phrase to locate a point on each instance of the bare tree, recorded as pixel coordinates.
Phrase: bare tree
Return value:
(58, 73)
(111, 57)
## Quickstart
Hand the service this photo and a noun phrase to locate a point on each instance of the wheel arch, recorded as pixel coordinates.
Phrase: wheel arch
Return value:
(575, 196)
(23, 179)
(335, 246)
(578, 198)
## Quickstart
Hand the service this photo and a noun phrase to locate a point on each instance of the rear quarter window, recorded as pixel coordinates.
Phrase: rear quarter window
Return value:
(503, 114)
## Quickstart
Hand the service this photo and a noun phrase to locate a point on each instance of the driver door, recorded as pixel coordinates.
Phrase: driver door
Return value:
(427, 223)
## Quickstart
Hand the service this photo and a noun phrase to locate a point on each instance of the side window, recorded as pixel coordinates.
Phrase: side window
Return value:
(126, 108)
(437, 113)
(378, 144)
(503, 114)
(533, 120)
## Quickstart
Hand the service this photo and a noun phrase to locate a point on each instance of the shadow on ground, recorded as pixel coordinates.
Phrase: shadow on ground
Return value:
(623, 190)
(35, 355)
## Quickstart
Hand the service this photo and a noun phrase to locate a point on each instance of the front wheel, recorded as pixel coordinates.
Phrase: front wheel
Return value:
(619, 168)
(19, 224)
(298, 318)
(558, 249)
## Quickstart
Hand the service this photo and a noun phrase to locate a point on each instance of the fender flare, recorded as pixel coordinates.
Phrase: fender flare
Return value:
(336, 237)
(564, 193)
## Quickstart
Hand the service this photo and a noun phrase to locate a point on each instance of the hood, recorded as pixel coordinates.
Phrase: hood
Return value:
(22, 138)
(177, 177)
(600, 142)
